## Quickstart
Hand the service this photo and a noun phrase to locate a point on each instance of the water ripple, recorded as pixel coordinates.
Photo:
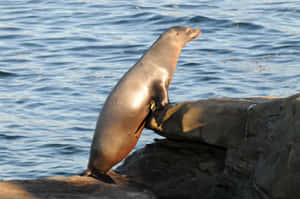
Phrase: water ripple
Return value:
(210, 21)
(4, 74)
(10, 137)
(246, 26)
(60, 59)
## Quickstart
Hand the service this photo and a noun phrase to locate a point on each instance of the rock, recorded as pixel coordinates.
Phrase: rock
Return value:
(265, 164)
(224, 149)
(276, 127)
(216, 121)
(173, 168)
(75, 187)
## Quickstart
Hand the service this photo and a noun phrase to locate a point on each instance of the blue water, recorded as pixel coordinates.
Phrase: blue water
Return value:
(60, 59)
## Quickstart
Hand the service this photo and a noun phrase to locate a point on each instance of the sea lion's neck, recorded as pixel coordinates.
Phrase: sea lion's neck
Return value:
(164, 54)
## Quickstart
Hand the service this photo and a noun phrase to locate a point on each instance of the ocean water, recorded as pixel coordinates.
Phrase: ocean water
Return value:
(60, 59)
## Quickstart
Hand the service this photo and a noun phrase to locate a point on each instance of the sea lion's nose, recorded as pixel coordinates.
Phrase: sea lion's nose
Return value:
(193, 33)
(196, 31)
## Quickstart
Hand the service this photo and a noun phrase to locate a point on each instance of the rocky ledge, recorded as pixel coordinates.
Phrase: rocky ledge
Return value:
(214, 149)
(74, 187)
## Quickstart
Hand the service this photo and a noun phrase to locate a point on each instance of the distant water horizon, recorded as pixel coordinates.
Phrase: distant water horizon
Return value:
(60, 59)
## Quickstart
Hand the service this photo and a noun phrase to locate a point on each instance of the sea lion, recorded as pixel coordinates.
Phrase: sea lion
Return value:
(142, 88)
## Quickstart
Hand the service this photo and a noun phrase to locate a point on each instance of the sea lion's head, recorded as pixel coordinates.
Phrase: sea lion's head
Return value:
(180, 35)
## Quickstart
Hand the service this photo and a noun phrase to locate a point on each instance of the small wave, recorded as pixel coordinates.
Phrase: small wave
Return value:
(88, 47)
(282, 10)
(86, 39)
(81, 129)
(6, 74)
(189, 6)
(132, 19)
(45, 88)
(60, 63)
(10, 137)
(49, 55)
(209, 78)
(230, 89)
(142, 14)
(263, 88)
(101, 47)
(246, 25)
(165, 19)
(15, 60)
(35, 105)
(53, 145)
(63, 148)
(32, 45)
(12, 29)
(10, 36)
(202, 19)
(70, 149)
(287, 46)
(259, 46)
(217, 51)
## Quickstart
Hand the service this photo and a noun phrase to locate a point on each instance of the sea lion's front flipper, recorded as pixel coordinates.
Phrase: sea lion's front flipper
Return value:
(161, 98)
(160, 102)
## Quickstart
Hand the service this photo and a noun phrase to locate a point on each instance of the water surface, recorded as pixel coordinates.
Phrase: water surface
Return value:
(60, 59)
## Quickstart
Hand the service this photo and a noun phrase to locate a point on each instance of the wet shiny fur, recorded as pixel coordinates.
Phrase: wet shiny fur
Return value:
(143, 87)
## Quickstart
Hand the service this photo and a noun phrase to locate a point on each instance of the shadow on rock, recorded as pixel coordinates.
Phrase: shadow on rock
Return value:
(176, 169)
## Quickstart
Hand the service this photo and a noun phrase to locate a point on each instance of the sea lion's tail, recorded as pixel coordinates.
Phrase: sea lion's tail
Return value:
(99, 176)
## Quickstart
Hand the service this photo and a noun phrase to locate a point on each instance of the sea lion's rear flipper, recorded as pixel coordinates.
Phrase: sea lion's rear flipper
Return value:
(103, 177)
(99, 176)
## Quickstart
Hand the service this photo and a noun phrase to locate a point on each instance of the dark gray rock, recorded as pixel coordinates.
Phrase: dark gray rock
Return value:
(224, 149)
(173, 168)
(276, 127)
